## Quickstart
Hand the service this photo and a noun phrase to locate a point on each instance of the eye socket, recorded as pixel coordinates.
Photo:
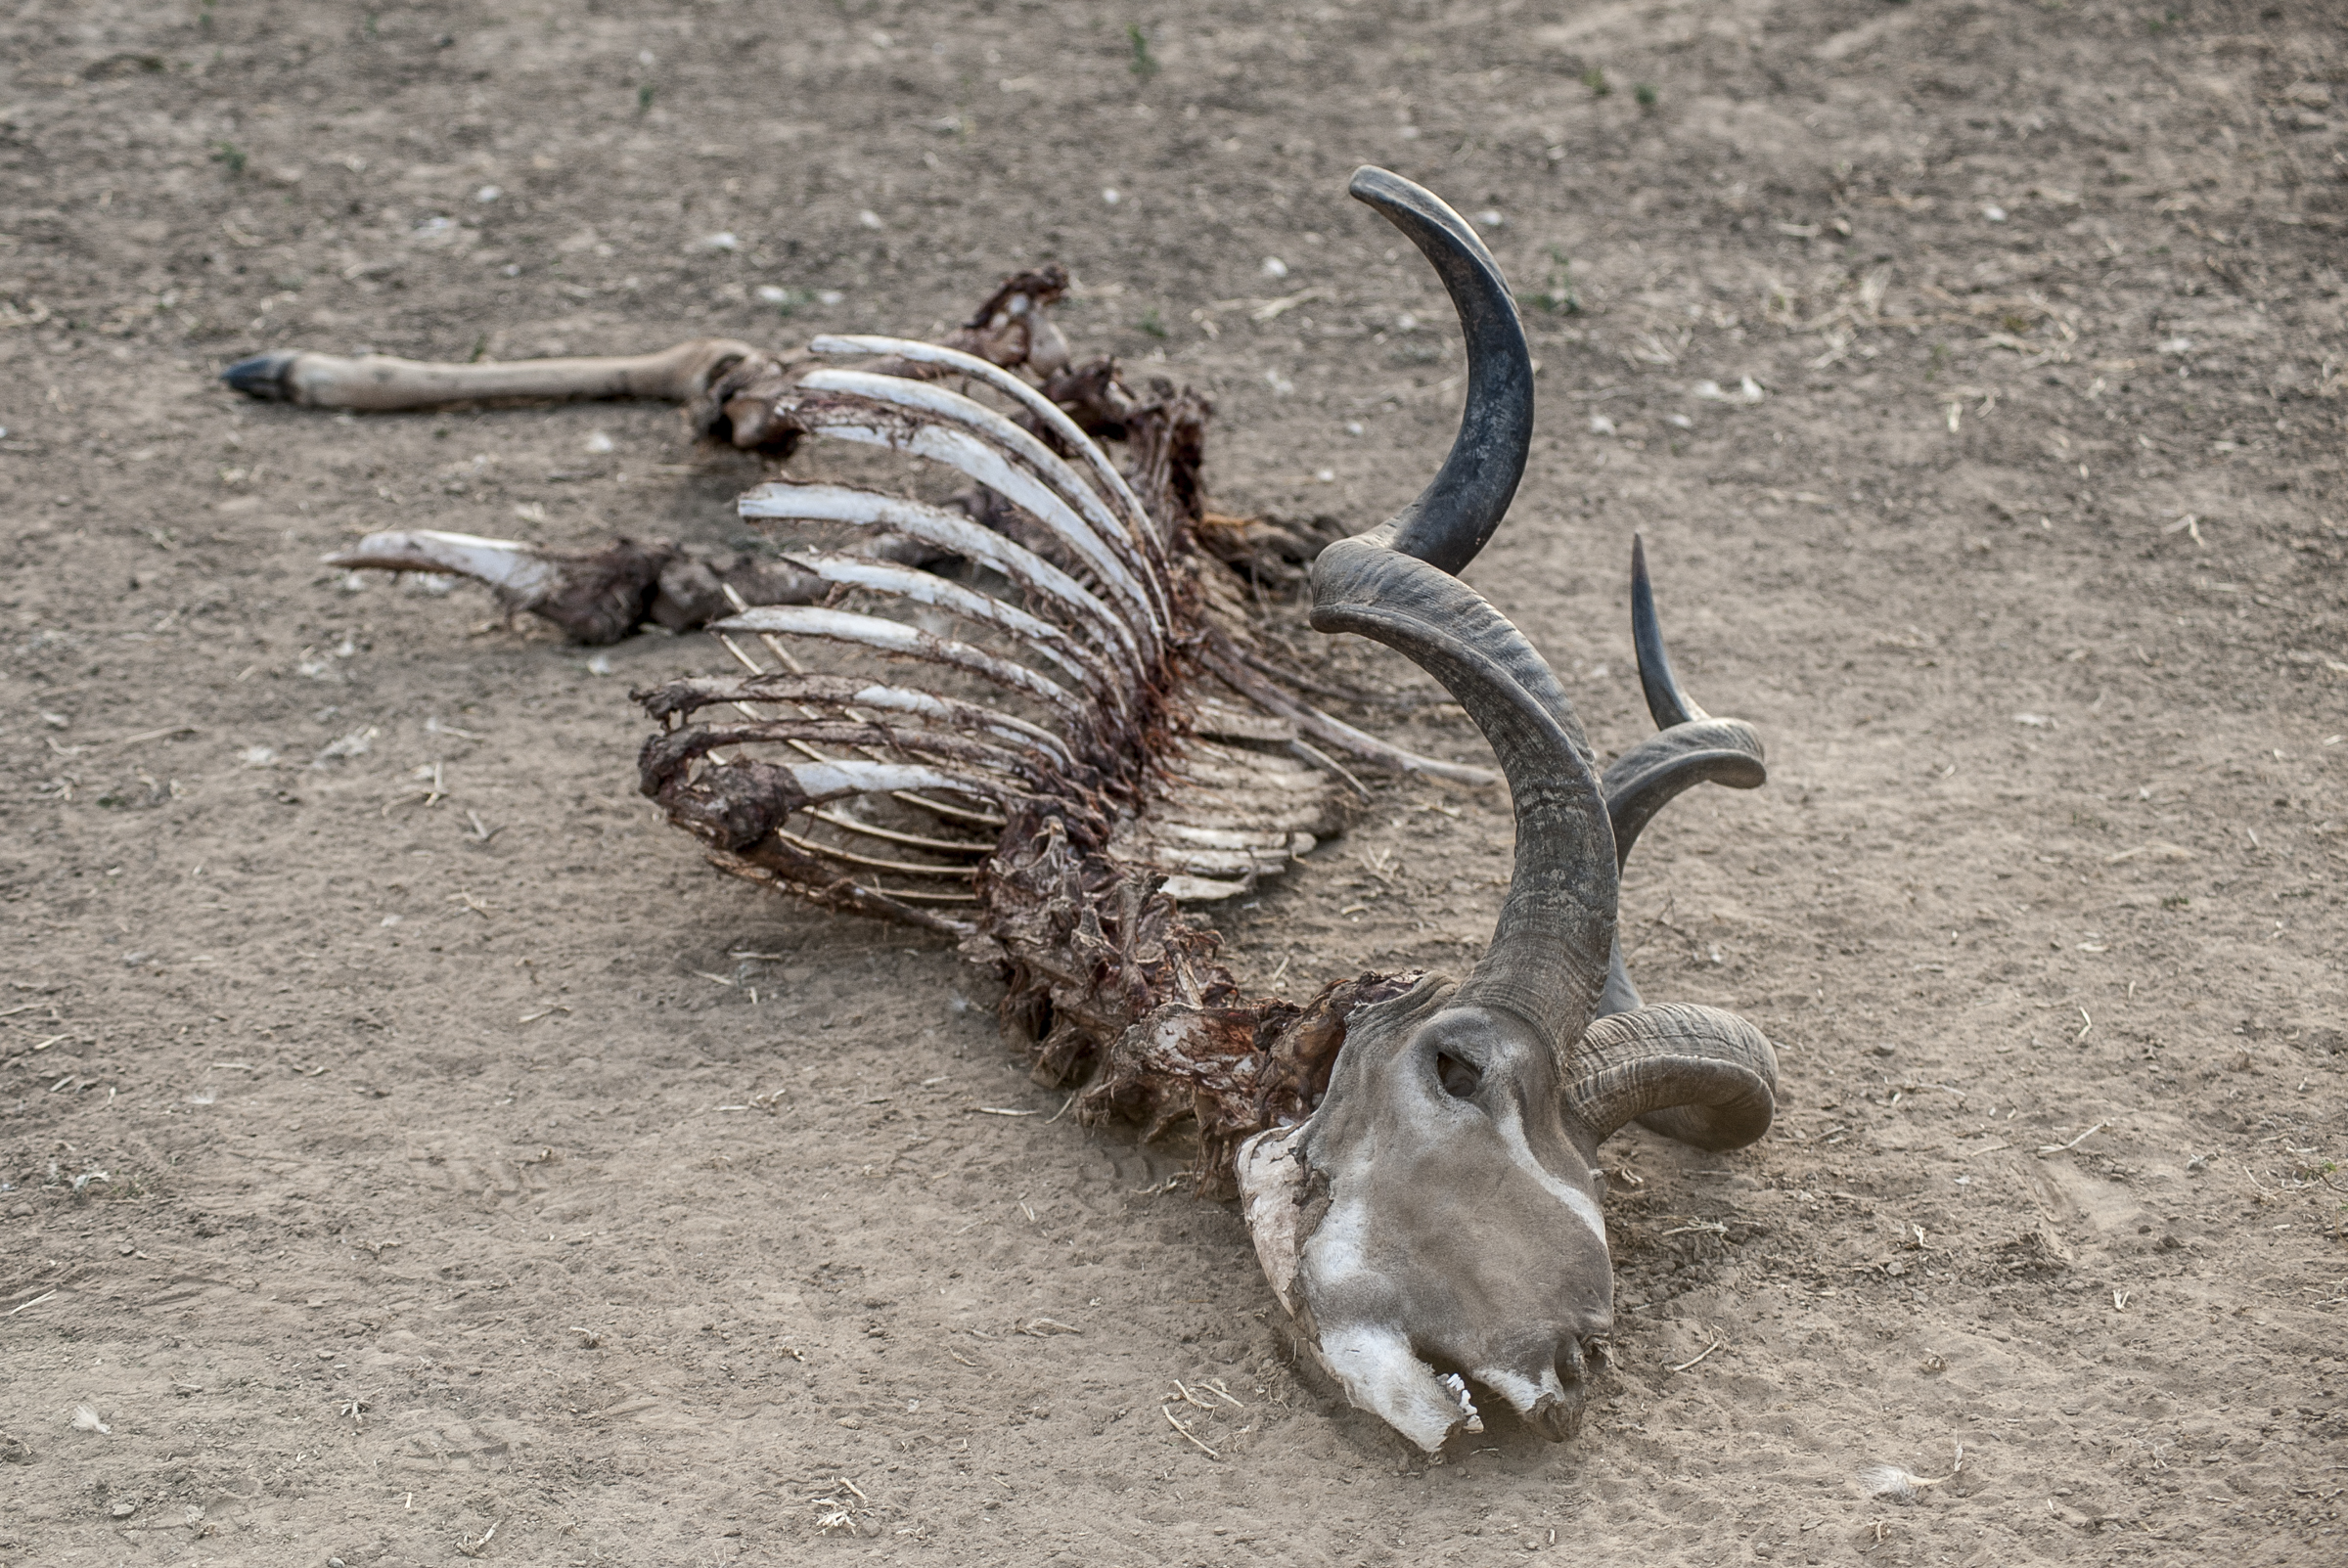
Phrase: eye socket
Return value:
(1459, 1078)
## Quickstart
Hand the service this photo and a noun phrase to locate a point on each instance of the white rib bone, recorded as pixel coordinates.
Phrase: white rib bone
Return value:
(1268, 695)
(1216, 774)
(929, 401)
(878, 738)
(1222, 720)
(980, 459)
(940, 807)
(793, 690)
(1282, 820)
(1138, 523)
(1221, 862)
(894, 636)
(927, 588)
(1302, 818)
(1201, 889)
(1186, 838)
(823, 781)
(1364, 744)
(1238, 810)
(947, 530)
(928, 704)
(1241, 810)
(517, 569)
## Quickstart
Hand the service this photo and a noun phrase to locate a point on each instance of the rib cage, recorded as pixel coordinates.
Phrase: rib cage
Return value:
(1090, 740)
(1041, 745)
(1065, 675)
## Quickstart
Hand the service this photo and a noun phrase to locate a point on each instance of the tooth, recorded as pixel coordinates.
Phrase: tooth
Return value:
(1459, 1390)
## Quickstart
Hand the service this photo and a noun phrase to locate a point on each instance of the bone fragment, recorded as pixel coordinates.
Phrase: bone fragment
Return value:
(896, 638)
(1187, 889)
(507, 564)
(597, 598)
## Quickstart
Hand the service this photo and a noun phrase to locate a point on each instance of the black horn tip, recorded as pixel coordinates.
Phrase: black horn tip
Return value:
(1392, 195)
(267, 376)
(1666, 704)
(1456, 515)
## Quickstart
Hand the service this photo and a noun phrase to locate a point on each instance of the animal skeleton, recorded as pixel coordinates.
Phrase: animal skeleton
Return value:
(1104, 740)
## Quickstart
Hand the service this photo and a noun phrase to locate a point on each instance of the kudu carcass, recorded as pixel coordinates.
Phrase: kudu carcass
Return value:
(1417, 1157)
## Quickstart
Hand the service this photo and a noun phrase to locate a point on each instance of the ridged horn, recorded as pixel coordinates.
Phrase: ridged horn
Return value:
(1547, 961)
(1456, 513)
(1548, 958)
(1645, 779)
(1691, 748)
(1698, 1074)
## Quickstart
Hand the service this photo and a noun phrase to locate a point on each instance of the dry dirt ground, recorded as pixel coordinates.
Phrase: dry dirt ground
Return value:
(374, 1166)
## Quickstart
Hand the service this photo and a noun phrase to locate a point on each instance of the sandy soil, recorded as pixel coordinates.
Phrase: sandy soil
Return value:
(374, 1166)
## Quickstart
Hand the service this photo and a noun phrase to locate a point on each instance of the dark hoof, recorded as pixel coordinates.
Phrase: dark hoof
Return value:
(267, 376)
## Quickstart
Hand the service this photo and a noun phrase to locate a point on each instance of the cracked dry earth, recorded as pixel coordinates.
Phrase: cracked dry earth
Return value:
(482, 1176)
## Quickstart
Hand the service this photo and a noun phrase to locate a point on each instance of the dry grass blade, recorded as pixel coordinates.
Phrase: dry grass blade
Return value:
(1697, 1356)
(2057, 1148)
(1189, 1398)
(1187, 1436)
